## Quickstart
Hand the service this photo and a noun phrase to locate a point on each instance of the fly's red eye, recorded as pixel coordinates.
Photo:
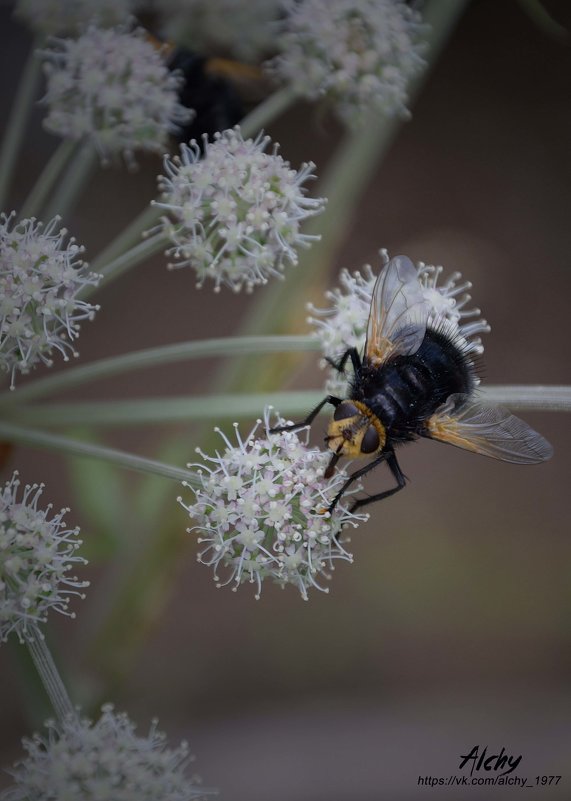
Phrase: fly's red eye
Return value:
(344, 410)
(370, 442)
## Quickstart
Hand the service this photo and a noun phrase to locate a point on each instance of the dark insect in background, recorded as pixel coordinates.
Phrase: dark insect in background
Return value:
(415, 379)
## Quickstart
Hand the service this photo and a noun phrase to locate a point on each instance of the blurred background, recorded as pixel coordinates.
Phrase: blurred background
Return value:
(453, 626)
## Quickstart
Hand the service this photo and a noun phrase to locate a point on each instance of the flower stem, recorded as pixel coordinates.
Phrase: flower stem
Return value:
(123, 262)
(19, 116)
(73, 182)
(129, 237)
(49, 675)
(271, 108)
(242, 406)
(167, 354)
(41, 439)
(43, 186)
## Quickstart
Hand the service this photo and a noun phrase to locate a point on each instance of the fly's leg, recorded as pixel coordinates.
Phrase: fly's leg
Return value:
(310, 417)
(400, 479)
(357, 474)
(350, 353)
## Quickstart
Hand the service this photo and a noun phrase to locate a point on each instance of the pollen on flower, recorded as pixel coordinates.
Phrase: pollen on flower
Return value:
(242, 28)
(78, 760)
(40, 279)
(259, 510)
(235, 210)
(359, 54)
(51, 17)
(37, 550)
(344, 324)
(113, 88)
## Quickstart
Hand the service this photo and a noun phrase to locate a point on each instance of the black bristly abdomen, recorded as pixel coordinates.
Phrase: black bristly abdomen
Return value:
(405, 391)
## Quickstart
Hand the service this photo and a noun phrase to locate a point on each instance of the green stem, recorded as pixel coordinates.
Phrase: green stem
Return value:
(51, 172)
(271, 108)
(18, 122)
(530, 398)
(541, 17)
(129, 236)
(41, 439)
(244, 406)
(164, 410)
(131, 258)
(167, 354)
(49, 675)
(73, 182)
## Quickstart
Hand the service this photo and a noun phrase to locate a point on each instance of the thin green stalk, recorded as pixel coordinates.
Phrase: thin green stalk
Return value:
(530, 398)
(243, 406)
(49, 675)
(73, 182)
(41, 439)
(271, 108)
(18, 122)
(51, 172)
(164, 410)
(128, 238)
(125, 261)
(151, 357)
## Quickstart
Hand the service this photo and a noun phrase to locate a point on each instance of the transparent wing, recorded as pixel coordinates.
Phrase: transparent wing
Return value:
(489, 430)
(399, 313)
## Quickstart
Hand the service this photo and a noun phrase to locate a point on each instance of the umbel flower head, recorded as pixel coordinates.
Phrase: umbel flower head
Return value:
(113, 88)
(261, 511)
(51, 17)
(344, 324)
(236, 211)
(40, 279)
(37, 550)
(359, 54)
(78, 760)
(242, 28)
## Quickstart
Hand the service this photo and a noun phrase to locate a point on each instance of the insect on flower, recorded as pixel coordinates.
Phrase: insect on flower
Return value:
(415, 379)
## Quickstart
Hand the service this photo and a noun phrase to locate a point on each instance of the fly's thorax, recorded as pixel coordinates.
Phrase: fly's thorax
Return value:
(355, 430)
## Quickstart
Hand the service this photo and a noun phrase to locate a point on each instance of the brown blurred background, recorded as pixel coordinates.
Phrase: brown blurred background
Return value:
(453, 626)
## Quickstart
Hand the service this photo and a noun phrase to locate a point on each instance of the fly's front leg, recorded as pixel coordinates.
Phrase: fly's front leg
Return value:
(350, 353)
(400, 479)
(354, 476)
(310, 417)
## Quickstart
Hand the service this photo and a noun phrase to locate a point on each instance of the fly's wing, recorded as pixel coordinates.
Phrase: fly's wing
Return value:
(489, 430)
(399, 313)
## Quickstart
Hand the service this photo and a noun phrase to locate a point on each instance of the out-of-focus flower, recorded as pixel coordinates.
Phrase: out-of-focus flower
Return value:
(359, 54)
(236, 211)
(242, 28)
(261, 511)
(37, 550)
(113, 88)
(344, 324)
(40, 278)
(51, 17)
(104, 761)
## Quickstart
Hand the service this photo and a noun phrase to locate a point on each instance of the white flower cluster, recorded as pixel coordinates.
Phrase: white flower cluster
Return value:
(112, 87)
(261, 511)
(243, 28)
(104, 761)
(344, 324)
(51, 17)
(40, 278)
(237, 210)
(36, 553)
(360, 54)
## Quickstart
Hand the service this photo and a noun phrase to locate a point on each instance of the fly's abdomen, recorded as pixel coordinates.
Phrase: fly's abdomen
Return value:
(407, 390)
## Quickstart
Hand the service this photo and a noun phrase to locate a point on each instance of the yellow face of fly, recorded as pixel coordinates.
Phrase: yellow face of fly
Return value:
(355, 431)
